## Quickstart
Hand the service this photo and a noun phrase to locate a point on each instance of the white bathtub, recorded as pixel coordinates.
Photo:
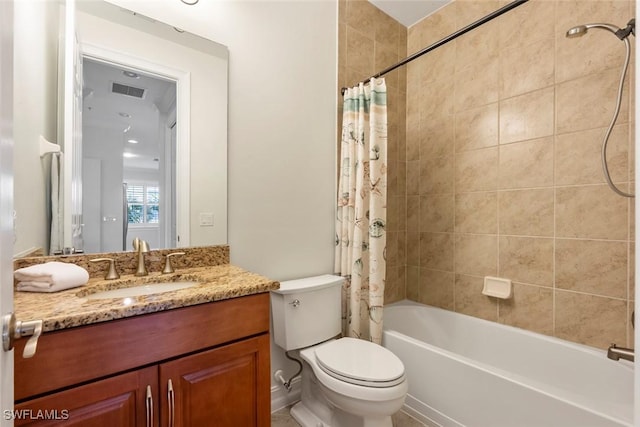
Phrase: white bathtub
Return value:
(464, 371)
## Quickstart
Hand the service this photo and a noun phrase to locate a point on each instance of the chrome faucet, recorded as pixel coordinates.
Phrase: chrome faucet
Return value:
(617, 353)
(141, 247)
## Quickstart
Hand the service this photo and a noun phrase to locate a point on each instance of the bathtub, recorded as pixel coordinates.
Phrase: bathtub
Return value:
(464, 371)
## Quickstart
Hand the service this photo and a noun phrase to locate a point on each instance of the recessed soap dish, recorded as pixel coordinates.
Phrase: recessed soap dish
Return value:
(497, 287)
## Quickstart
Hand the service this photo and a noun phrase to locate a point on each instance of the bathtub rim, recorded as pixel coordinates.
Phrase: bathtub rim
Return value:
(533, 384)
(566, 343)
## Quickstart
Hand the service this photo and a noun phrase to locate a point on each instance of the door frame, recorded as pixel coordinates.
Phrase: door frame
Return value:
(6, 200)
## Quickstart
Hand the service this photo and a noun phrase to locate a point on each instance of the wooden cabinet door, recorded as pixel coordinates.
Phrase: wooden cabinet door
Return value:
(225, 386)
(117, 401)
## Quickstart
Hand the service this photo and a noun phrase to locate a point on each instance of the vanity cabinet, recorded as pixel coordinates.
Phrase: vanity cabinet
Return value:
(116, 401)
(216, 387)
(196, 366)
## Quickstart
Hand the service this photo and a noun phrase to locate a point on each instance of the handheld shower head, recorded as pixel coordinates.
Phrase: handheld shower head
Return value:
(621, 33)
(581, 30)
(578, 31)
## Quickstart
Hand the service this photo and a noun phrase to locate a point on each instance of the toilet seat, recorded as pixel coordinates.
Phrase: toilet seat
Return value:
(360, 363)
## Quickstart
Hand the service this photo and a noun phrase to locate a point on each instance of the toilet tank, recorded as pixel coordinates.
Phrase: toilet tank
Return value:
(307, 311)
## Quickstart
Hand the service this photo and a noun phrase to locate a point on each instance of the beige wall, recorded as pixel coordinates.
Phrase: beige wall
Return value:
(502, 172)
(503, 169)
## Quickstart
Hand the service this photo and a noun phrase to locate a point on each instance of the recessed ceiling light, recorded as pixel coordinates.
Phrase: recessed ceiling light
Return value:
(131, 74)
(132, 141)
(127, 155)
(125, 115)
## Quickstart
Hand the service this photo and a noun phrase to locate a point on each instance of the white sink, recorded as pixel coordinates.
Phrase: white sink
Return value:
(145, 289)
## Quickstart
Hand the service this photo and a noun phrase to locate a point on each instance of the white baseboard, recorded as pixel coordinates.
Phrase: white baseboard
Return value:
(281, 398)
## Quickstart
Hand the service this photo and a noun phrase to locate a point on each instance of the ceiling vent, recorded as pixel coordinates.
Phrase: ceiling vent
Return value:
(136, 92)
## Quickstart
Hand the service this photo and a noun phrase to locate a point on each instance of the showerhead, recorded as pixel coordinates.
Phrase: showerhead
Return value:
(622, 34)
(581, 30)
(578, 31)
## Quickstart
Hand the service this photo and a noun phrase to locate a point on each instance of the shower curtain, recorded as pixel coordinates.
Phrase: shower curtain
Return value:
(362, 209)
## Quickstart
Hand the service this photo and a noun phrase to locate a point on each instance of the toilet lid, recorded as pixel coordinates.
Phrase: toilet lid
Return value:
(360, 362)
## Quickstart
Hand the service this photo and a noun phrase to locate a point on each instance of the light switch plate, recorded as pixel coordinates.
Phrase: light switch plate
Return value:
(206, 219)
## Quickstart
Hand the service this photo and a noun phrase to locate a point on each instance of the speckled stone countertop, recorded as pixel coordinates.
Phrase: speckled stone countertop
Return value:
(70, 308)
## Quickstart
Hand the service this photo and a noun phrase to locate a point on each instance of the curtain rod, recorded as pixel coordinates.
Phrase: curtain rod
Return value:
(448, 38)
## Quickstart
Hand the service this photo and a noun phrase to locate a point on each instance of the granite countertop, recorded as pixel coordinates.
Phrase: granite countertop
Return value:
(70, 308)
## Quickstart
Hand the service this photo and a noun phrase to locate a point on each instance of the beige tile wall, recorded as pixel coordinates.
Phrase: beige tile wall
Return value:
(494, 162)
(504, 129)
(370, 41)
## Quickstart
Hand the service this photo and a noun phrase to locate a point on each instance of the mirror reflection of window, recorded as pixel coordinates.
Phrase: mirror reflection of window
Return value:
(143, 204)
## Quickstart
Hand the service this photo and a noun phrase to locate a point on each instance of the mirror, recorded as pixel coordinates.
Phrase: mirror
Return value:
(129, 158)
(190, 140)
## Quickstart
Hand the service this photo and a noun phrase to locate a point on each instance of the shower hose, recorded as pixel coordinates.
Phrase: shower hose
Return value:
(605, 142)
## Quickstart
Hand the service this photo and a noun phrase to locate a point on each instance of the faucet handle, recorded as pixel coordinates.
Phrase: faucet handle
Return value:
(112, 273)
(616, 353)
(140, 245)
(168, 268)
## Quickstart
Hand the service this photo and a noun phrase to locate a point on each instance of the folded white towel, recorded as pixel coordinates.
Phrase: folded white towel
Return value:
(41, 287)
(50, 277)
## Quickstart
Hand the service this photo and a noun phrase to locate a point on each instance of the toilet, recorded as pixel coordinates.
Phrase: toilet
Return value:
(346, 382)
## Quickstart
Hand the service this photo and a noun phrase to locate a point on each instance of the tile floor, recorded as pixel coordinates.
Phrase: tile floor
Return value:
(282, 418)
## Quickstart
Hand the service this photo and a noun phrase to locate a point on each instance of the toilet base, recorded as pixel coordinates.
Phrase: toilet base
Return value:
(305, 417)
(315, 410)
